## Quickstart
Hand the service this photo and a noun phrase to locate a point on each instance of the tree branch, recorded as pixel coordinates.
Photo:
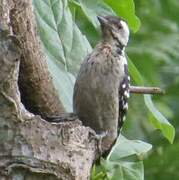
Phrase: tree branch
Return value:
(146, 90)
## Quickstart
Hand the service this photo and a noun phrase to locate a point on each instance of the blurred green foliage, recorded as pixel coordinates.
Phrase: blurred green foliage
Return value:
(70, 29)
(154, 50)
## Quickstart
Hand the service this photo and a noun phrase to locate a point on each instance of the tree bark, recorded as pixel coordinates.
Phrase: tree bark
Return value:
(30, 147)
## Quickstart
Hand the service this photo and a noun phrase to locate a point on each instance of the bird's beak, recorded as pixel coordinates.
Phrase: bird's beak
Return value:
(102, 20)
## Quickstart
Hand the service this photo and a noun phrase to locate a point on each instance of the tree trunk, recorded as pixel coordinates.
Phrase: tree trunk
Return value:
(30, 147)
(37, 91)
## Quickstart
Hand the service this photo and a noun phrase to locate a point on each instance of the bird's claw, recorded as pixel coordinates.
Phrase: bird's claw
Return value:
(99, 137)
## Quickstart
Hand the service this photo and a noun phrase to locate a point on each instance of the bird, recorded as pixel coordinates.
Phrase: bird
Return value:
(101, 90)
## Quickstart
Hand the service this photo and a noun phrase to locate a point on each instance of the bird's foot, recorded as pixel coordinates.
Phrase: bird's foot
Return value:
(99, 137)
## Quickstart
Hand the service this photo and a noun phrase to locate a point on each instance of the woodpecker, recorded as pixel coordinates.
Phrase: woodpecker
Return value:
(101, 89)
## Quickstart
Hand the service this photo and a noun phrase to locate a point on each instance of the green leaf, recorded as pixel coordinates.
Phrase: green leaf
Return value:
(159, 121)
(64, 44)
(125, 147)
(126, 9)
(129, 171)
(64, 84)
(93, 8)
(97, 174)
(123, 170)
(134, 72)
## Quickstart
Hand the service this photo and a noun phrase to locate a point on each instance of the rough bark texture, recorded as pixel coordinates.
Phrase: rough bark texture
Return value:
(37, 90)
(30, 147)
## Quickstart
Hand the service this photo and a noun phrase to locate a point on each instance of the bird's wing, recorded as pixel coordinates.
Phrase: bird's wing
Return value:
(123, 96)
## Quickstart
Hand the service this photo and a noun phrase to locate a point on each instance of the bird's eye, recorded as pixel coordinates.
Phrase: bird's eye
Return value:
(119, 26)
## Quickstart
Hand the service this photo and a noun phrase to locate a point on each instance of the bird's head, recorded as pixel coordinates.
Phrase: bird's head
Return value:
(114, 29)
